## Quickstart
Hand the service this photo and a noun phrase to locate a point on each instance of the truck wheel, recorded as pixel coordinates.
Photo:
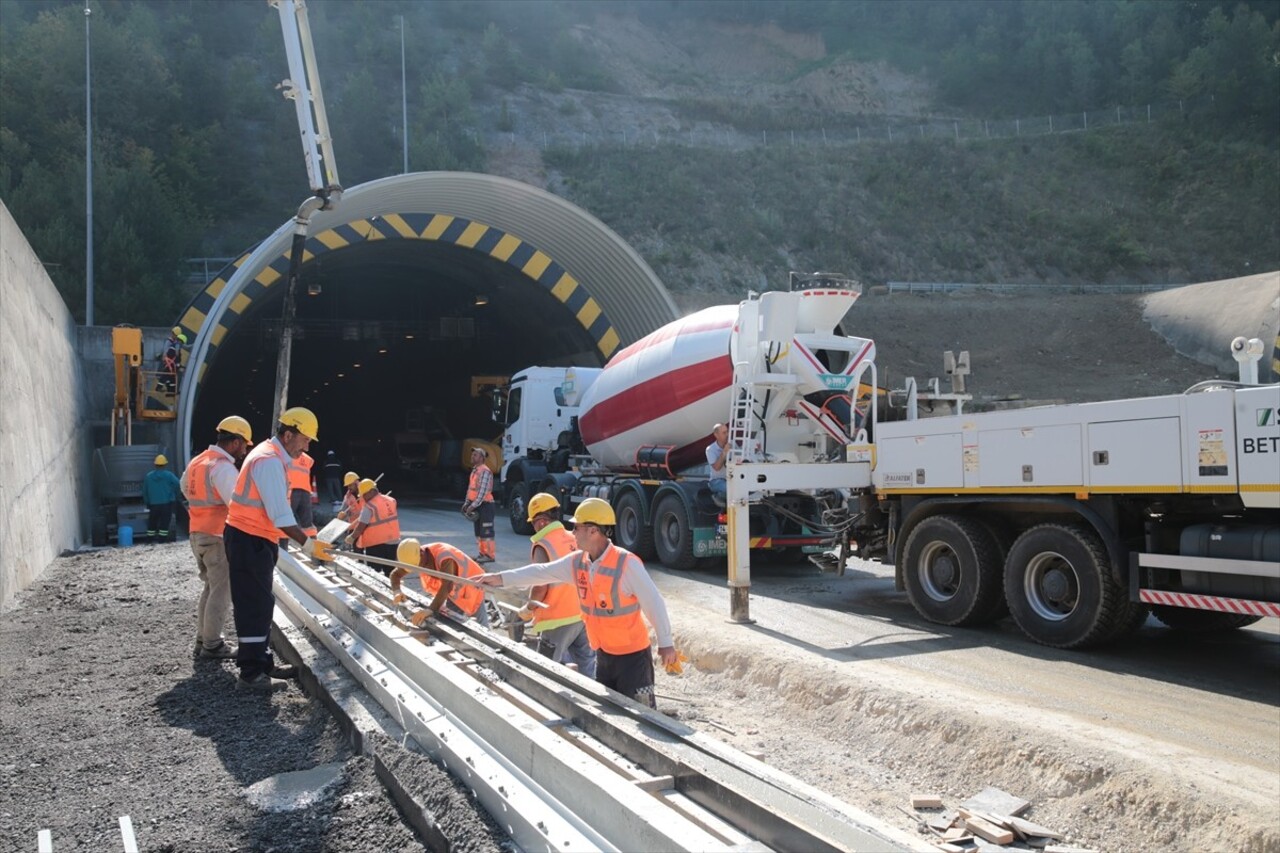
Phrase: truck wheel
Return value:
(633, 531)
(98, 535)
(672, 536)
(950, 566)
(1200, 621)
(519, 509)
(1059, 588)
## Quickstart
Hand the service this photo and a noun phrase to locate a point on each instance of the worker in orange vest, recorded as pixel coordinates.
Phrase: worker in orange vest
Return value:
(259, 515)
(351, 497)
(377, 531)
(456, 598)
(300, 489)
(208, 483)
(480, 501)
(562, 635)
(614, 589)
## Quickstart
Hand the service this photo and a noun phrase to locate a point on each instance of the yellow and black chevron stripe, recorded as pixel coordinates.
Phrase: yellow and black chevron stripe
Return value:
(469, 234)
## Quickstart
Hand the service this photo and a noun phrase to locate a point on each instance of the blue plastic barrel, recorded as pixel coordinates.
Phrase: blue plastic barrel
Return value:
(125, 536)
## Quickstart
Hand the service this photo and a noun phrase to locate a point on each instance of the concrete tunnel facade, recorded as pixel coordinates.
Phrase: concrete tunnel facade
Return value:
(409, 288)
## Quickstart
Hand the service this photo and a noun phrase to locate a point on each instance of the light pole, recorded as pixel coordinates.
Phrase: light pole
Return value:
(88, 176)
(404, 104)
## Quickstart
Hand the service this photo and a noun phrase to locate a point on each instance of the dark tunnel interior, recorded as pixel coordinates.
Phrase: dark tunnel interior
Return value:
(387, 338)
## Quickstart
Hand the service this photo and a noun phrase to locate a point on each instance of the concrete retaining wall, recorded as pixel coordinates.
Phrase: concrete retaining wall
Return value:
(44, 435)
(1200, 320)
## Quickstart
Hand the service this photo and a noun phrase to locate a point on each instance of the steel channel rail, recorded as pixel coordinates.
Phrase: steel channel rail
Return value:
(559, 761)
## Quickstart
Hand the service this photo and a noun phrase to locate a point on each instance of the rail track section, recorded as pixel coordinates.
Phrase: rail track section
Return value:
(559, 761)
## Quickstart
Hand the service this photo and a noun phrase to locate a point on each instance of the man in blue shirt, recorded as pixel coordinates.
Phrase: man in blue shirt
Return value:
(160, 490)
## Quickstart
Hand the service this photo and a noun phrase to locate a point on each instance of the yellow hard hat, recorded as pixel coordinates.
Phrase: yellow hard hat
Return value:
(177, 330)
(237, 426)
(595, 511)
(366, 486)
(349, 478)
(303, 420)
(540, 503)
(161, 460)
(408, 551)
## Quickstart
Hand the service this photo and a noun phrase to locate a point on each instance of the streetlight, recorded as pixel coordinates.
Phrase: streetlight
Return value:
(88, 176)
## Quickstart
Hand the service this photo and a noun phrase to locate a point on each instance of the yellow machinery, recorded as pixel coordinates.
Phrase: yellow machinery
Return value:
(151, 394)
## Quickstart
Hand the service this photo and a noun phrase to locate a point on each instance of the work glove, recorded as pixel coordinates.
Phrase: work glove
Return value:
(349, 541)
(317, 550)
(524, 614)
(675, 668)
(398, 598)
(421, 616)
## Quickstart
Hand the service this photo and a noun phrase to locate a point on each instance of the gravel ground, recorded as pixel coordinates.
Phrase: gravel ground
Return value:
(105, 714)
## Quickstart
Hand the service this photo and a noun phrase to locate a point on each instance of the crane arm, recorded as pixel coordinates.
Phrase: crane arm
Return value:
(303, 88)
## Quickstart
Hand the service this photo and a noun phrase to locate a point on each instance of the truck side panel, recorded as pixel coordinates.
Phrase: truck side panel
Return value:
(1141, 455)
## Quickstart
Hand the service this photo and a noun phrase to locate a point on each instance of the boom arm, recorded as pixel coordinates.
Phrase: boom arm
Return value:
(303, 88)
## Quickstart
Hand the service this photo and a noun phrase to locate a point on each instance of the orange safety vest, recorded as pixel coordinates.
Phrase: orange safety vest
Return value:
(614, 623)
(300, 472)
(465, 597)
(247, 512)
(473, 486)
(384, 526)
(351, 506)
(208, 512)
(561, 599)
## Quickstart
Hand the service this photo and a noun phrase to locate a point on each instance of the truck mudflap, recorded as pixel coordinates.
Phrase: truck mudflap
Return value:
(1218, 604)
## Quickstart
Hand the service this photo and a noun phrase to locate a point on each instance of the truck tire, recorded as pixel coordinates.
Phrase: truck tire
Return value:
(1058, 584)
(951, 570)
(98, 536)
(519, 509)
(633, 532)
(672, 533)
(1191, 621)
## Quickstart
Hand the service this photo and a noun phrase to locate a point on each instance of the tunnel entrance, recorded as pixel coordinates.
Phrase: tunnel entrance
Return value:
(398, 313)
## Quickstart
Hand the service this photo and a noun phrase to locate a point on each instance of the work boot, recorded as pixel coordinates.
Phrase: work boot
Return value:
(286, 672)
(483, 558)
(195, 653)
(222, 651)
(260, 683)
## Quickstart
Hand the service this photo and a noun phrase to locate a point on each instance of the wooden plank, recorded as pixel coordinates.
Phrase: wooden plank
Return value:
(942, 822)
(989, 831)
(995, 800)
(948, 848)
(926, 801)
(957, 835)
(1029, 829)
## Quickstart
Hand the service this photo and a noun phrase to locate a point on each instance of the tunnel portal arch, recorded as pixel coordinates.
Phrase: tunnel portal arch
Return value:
(593, 275)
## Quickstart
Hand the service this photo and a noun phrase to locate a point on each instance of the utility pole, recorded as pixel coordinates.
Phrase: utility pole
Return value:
(404, 104)
(88, 176)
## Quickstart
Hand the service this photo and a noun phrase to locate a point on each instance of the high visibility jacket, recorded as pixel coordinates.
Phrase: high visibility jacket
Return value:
(384, 526)
(481, 479)
(247, 511)
(561, 598)
(465, 597)
(351, 506)
(300, 472)
(614, 622)
(208, 512)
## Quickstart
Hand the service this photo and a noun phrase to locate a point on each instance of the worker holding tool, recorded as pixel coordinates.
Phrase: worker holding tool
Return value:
(480, 500)
(300, 492)
(160, 491)
(351, 497)
(562, 635)
(613, 589)
(459, 598)
(208, 483)
(377, 530)
(259, 516)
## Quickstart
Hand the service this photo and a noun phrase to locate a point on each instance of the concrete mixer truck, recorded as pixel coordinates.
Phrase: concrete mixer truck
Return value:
(1077, 520)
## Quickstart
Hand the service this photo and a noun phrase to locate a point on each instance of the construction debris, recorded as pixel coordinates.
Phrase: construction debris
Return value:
(988, 822)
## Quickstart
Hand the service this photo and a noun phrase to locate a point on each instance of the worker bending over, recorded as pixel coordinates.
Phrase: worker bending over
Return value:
(460, 599)
(378, 529)
(208, 483)
(558, 625)
(613, 589)
(259, 516)
(351, 497)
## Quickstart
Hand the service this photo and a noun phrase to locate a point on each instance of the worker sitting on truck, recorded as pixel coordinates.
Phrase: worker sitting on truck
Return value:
(558, 625)
(300, 492)
(480, 501)
(378, 529)
(613, 589)
(160, 491)
(717, 480)
(458, 599)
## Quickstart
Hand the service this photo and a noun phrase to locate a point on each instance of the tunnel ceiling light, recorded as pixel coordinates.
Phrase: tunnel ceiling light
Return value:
(481, 299)
(313, 289)
(357, 364)
(408, 337)
(382, 351)
(340, 375)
